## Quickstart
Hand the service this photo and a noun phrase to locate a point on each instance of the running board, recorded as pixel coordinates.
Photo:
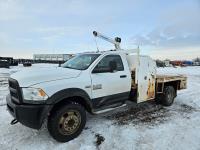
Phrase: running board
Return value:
(109, 109)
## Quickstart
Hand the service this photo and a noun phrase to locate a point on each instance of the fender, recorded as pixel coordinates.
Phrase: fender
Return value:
(67, 93)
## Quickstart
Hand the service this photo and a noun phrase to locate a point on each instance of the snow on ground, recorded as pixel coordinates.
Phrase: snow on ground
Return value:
(142, 127)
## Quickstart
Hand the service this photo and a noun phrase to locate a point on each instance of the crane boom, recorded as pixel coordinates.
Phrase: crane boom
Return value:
(115, 41)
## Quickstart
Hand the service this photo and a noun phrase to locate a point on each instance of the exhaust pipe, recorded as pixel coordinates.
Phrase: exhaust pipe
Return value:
(14, 121)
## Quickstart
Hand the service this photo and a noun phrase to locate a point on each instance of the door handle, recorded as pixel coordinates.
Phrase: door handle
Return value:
(123, 76)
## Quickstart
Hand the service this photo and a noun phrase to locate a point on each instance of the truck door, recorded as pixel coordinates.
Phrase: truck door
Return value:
(110, 87)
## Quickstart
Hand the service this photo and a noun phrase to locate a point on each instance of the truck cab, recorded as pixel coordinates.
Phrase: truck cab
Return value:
(89, 82)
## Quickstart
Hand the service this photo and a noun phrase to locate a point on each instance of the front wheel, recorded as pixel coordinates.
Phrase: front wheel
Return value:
(67, 122)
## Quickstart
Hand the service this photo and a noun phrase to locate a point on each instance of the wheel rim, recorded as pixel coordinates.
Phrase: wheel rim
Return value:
(69, 122)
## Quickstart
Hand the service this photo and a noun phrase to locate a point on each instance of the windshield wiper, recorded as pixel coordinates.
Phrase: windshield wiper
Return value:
(70, 68)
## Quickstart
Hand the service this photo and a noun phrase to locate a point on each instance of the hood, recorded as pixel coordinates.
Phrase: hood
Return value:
(31, 76)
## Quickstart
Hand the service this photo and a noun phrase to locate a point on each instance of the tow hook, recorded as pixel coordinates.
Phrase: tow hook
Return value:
(14, 121)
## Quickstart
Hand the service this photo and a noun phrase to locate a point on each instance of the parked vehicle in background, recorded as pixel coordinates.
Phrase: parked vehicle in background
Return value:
(27, 64)
(160, 63)
(187, 63)
(4, 64)
(90, 82)
(8, 61)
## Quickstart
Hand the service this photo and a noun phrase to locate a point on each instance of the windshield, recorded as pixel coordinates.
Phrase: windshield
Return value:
(81, 62)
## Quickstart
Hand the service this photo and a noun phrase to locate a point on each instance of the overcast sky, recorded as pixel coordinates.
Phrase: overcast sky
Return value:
(163, 29)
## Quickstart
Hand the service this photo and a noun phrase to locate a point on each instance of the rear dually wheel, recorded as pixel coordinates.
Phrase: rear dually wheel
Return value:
(167, 98)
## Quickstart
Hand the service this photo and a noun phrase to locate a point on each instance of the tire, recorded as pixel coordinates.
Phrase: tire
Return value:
(168, 96)
(67, 122)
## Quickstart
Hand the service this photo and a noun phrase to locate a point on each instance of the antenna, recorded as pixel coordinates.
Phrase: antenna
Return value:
(115, 41)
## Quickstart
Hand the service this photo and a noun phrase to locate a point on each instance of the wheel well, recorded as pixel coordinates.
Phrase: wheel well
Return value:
(76, 99)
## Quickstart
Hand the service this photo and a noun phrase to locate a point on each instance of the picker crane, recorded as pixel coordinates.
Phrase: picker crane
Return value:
(115, 41)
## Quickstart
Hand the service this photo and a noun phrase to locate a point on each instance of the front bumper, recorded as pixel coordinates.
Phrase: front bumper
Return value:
(30, 115)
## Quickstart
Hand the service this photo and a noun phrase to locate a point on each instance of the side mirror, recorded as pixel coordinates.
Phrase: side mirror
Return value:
(113, 66)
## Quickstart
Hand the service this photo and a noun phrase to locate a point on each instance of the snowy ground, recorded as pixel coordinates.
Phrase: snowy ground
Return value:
(145, 127)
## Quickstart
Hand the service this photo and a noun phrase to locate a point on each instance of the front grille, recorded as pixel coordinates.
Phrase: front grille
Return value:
(15, 91)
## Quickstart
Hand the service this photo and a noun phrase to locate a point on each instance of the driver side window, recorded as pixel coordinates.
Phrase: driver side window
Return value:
(104, 65)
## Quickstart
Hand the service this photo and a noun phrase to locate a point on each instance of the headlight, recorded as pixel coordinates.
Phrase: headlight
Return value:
(34, 94)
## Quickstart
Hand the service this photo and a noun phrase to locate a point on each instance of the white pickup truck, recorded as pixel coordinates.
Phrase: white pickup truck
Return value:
(89, 82)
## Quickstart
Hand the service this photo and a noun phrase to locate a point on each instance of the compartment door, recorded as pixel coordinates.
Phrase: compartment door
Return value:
(146, 80)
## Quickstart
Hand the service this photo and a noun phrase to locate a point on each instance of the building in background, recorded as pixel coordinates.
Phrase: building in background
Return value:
(52, 57)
